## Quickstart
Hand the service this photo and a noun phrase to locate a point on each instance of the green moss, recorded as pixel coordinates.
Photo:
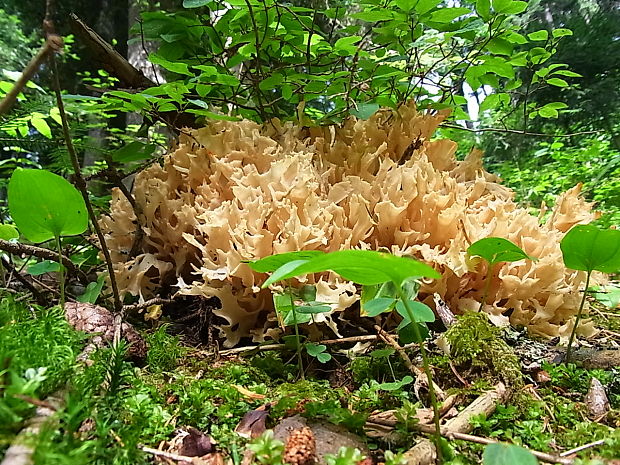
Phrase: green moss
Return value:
(479, 352)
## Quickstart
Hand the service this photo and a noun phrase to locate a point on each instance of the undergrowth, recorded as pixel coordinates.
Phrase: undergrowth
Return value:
(112, 407)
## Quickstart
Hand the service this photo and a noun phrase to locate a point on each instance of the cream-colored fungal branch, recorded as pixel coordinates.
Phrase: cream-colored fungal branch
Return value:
(237, 191)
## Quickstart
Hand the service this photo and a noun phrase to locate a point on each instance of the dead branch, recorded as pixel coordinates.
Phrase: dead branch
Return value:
(146, 304)
(53, 43)
(17, 248)
(517, 131)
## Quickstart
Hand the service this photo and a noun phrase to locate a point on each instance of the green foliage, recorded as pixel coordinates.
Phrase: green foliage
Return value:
(37, 354)
(551, 168)
(164, 350)
(496, 250)
(45, 206)
(345, 456)
(270, 59)
(269, 451)
(15, 47)
(8, 232)
(588, 248)
(507, 454)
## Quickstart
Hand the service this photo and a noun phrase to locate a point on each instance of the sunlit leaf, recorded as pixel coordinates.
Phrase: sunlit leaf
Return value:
(44, 205)
(588, 248)
(497, 249)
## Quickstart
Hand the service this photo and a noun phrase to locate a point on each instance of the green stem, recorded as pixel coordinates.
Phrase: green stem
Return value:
(429, 375)
(487, 286)
(61, 274)
(574, 331)
(299, 357)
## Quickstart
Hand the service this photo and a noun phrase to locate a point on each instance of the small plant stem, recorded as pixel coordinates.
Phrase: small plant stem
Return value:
(574, 331)
(298, 342)
(61, 273)
(487, 286)
(81, 185)
(429, 375)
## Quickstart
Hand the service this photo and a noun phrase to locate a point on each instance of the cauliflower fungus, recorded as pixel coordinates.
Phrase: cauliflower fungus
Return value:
(238, 191)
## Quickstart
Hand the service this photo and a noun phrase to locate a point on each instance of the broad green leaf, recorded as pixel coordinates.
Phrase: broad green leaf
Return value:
(195, 3)
(497, 249)
(42, 267)
(346, 45)
(175, 67)
(39, 123)
(483, 8)
(407, 334)
(378, 305)
(361, 266)
(561, 32)
(424, 6)
(566, 72)
(508, 7)
(272, 82)
(541, 35)
(374, 15)
(8, 232)
(557, 82)
(134, 151)
(273, 262)
(365, 110)
(608, 295)
(421, 312)
(44, 205)
(507, 454)
(588, 248)
(445, 15)
(91, 294)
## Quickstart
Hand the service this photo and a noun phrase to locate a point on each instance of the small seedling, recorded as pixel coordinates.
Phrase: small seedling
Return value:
(495, 250)
(45, 206)
(369, 268)
(588, 248)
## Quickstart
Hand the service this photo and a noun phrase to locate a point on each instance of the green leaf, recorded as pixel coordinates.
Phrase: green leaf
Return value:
(421, 312)
(378, 305)
(91, 294)
(550, 110)
(608, 295)
(346, 45)
(273, 262)
(497, 249)
(312, 309)
(588, 248)
(45, 266)
(541, 35)
(483, 8)
(361, 266)
(445, 15)
(365, 110)
(424, 6)
(39, 123)
(315, 349)
(324, 357)
(175, 67)
(44, 205)
(195, 3)
(507, 454)
(561, 32)
(272, 82)
(557, 82)
(134, 151)
(407, 334)
(509, 7)
(372, 16)
(8, 232)
(395, 386)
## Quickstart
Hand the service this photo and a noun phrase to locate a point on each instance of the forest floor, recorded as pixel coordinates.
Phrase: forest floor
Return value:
(182, 401)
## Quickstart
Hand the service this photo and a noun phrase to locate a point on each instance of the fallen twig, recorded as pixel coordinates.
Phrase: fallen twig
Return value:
(17, 248)
(584, 447)
(267, 347)
(146, 304)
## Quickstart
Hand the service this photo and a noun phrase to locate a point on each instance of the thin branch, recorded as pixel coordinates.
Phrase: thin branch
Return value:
(81, 185)
(517, 131)
(146, 304)
(40, 252)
